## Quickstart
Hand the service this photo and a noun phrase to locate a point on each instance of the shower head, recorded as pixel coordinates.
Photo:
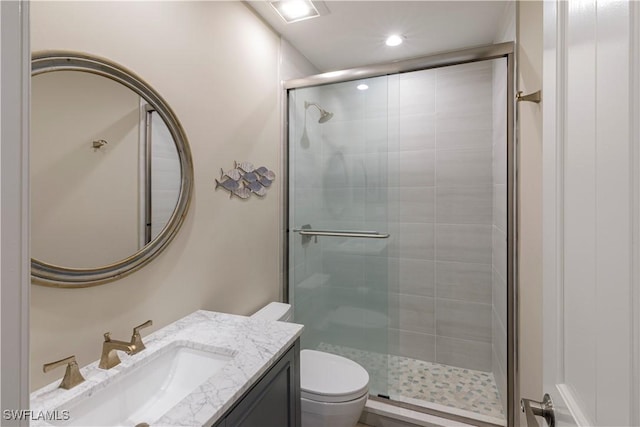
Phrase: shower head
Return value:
(325, 116)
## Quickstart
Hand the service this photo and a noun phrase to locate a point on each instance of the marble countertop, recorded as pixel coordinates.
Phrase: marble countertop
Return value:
(254, 344)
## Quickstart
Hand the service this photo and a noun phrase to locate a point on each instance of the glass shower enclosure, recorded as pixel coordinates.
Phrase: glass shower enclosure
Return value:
(339, 239)
(398, 252)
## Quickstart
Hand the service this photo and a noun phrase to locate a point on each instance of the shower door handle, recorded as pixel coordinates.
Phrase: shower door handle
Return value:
(544, 409)
(342, 233)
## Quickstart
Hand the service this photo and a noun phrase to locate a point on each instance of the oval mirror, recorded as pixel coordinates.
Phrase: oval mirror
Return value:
(111, 171)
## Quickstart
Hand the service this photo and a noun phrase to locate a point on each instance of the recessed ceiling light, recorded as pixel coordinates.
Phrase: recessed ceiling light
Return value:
(362, 86)
(394, 40)
(295, 10)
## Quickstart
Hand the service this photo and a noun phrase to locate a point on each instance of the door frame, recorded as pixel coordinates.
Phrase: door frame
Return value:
(15, 265)
(482, 53)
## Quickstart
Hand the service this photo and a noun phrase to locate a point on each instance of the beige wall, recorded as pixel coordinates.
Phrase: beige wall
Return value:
(217, 66)
(82, 195)
(530, 211)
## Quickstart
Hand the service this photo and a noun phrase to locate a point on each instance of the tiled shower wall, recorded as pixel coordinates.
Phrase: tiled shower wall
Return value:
(340, 175)
(305, 152)
(413, 155)
(440, 306)
(499, 229)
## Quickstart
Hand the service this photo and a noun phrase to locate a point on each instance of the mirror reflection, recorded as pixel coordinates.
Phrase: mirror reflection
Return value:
(105, 171)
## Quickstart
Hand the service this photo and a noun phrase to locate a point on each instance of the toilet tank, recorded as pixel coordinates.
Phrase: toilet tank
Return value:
(274, 311)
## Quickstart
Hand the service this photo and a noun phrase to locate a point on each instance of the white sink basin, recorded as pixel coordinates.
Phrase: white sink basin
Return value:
(142, 394)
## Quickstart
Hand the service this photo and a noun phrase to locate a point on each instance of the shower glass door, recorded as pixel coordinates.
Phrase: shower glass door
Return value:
(340, 221)
(398, 234)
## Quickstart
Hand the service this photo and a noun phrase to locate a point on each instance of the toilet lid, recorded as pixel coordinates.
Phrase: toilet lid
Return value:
(325, 377)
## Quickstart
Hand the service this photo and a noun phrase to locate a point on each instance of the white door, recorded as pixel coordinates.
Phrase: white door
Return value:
(590, 212)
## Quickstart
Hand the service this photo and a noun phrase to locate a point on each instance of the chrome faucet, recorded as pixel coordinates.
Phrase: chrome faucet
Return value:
(109, 357)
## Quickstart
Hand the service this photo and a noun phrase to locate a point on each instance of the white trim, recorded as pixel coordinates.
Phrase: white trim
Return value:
(574, 406)
(14, 199)
(553, 148)
(551, 190)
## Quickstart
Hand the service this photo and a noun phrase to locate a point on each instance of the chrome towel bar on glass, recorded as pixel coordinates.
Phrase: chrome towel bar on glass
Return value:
(342, 233)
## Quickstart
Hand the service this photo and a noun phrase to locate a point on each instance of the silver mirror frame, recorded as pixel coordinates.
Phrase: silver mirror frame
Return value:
(65, 277)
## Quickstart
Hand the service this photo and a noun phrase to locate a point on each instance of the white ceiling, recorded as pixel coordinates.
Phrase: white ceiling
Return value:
(352, 34)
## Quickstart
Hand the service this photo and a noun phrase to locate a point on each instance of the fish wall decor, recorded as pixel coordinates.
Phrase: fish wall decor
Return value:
(244, 180)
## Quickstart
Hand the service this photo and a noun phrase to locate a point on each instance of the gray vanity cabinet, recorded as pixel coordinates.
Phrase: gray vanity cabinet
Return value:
(274, 401)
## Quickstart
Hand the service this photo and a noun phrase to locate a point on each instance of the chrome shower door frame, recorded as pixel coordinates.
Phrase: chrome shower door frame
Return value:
(482, 53)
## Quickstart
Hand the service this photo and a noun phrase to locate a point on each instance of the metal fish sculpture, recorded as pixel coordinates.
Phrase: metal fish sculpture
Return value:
(228, 184)
(245, 179)
(270, 175)
(234, 174)
(245, 166)
(250, 177)
(265, 181)
(261, 192)
(253, 186)
(242, 193)
(256, 188)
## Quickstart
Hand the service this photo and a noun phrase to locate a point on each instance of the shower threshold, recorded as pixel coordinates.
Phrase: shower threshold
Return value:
(435, 388)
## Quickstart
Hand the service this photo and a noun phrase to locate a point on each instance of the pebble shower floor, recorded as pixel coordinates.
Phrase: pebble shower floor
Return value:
(414, 380)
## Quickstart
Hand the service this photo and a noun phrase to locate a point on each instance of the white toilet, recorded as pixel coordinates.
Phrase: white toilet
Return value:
(334, 389)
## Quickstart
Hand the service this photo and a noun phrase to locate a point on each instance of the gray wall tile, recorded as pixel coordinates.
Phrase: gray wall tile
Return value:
(467, 129)
(464, 205)
(416, 168)
(499, 244)
(501, 381)
(417, 132)
(499, 296)
(463, 320)
(499, 248)
(500, 163)
(345, 270)
(464, 88)
(412, 344)
(344, 204)
(499, 339)
(462, 353)
(416, 314)
(463, 243)
(416, 204)
(462, 281)
(416, 241)
(380, 274)
(464, 168)
(417, 277)
(500, 207)
(417, 92)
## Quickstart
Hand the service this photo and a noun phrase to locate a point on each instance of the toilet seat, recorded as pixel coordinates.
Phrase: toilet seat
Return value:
(326, 377)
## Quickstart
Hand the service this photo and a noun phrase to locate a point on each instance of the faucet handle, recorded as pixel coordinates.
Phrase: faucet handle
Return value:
(136, 339)
(146, 324)
(72, 376)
